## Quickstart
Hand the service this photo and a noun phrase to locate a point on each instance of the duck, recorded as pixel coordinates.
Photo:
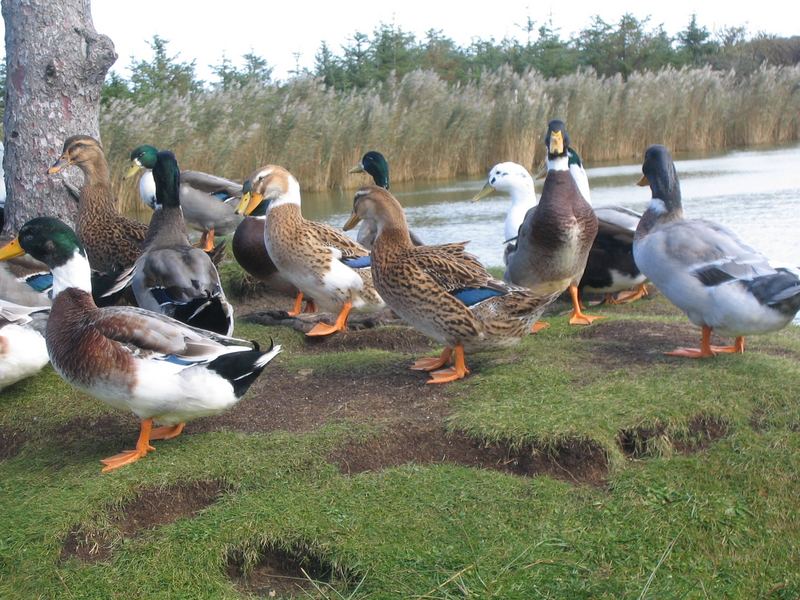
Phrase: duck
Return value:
(721, 283)
(443, 291)
(208, 201)
(23, 318)
(171, 276)
(375, 164)
(251, 253)
(554, 240)
(319, 260)
(610, 267)
(164, 371)
(112, 241)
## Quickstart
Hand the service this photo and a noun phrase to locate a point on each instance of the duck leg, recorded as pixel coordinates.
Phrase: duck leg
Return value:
(458, 371)
(705, 350)
(298, 305)
(310, 306)
(321, 329)
(539, 325)
(639, 292)
(167, 432)
(207, 240)
(578, 317)
(129, 456)
(431, 364)
(737, 348)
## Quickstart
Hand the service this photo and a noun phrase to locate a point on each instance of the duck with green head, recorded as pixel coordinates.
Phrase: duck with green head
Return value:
(172, 276)
(162, 370)
(375, 164)
(208, 201)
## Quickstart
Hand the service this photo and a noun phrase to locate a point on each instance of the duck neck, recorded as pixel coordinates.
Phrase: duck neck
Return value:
(167, 228)
(75, 273)
(523, 198)
(558, 163)
(665, 205)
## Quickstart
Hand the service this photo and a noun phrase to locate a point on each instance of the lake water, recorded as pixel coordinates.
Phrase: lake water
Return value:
(754, 192)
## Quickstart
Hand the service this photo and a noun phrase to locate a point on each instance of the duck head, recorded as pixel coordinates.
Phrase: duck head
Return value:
(659, 173)
(375, 204)
(53, 242)
(167, 177)
(142, 157)
(375, 164)
(273, 185)
(557, 142)
(82, 151)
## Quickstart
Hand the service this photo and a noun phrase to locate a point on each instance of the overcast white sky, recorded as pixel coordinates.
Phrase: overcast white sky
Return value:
(204, 30)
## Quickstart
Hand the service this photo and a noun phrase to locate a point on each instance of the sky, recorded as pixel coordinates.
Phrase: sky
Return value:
(288, 34)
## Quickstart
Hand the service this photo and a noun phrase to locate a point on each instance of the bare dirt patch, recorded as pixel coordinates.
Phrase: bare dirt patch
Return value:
(703, 431)
(577, 462)
(305, 401)
(282, 573)
(151, 508)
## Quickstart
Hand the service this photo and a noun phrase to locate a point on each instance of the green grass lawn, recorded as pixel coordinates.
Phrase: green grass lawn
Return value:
(698, 498)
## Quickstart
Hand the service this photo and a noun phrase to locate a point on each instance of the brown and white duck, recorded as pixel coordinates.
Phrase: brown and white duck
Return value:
(320, 260)
(171, 276)
(442, 290)
(162, 370)
(554, 240)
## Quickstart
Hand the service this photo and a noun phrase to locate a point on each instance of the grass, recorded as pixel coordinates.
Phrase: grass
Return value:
(430, 130)
(669, 523)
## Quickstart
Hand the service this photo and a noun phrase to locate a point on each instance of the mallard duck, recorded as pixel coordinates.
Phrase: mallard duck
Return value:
(321, 261)
(554, 240)
(443, 291)
(721, 283)
(208, 201)
(610, 267)
(23, 318)
(250, 252)
(164, 371)
(172, 276)
(112, 242)
(375, 164)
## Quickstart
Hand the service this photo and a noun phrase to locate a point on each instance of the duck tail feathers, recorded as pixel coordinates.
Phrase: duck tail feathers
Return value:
(242, 368)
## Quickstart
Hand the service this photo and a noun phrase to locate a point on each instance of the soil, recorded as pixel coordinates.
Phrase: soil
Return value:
(151, 508)
(279, 573)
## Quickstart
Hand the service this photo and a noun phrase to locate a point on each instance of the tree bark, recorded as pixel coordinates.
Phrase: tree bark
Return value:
(55, 64)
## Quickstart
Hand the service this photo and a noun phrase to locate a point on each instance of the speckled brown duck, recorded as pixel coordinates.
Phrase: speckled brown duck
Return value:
(320, 260)
(112, 242)
(442, 290)
(554, 240)
(162, 370)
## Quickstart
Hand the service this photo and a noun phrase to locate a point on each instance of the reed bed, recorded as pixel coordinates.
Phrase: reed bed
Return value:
(430, 130)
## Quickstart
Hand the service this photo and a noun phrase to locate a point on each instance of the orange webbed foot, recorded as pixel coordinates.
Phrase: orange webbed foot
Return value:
(167, 432)
(431, 364)
(581, 318)
(539, 326)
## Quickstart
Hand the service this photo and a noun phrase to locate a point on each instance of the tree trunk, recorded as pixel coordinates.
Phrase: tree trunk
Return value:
(55, 64)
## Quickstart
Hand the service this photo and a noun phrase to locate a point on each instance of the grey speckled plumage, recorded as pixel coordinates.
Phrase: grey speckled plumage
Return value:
(172, 277)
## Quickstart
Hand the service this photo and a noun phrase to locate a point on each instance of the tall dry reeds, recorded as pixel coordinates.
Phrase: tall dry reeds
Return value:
(429, 129)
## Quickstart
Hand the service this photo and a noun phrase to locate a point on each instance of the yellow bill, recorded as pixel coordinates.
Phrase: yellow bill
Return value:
(556, 143)
(357, 169)
(486, 190)
(11, 250)
(132, 170)
(643, 181)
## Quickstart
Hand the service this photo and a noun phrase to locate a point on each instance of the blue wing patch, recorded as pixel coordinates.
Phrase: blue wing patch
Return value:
(472, 296)
(41, 282)
(359, 262)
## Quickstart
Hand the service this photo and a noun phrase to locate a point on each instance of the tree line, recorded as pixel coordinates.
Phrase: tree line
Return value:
(608, 49)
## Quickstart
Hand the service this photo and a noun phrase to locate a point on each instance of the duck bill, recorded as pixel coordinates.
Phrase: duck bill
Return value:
(359, 168)
(11, 250)
(352, 222)
(132, 170)
(61, 164)
(556, 144)
(486, 190)
(249, 202)
(643, 181)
